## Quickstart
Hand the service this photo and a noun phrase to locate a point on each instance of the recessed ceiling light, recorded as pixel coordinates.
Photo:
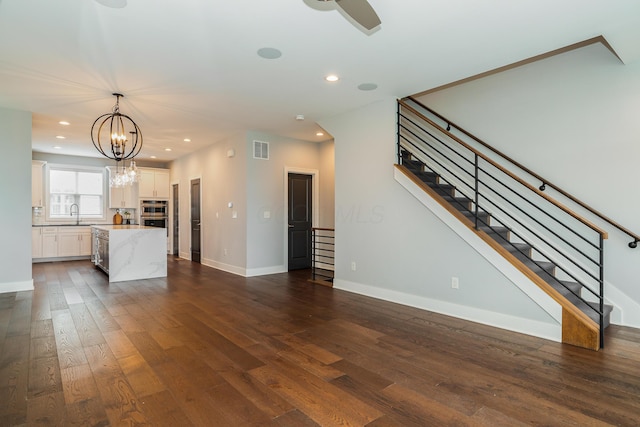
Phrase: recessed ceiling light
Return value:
(368, 86)
(167, 149)
(186, 140)
(269, 53)
(63, 123)
(60, 137)
(332, 78)
(319, 133)
(57, 147)
(152, 157)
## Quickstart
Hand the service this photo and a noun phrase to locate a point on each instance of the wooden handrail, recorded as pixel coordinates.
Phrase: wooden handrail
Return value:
(502, 169)
(544, 181)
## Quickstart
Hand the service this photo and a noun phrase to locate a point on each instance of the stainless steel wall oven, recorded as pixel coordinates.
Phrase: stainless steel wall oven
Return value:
(154, 213)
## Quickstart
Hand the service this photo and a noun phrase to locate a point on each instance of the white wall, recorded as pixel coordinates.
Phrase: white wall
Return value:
(249, 244)
(266, 244)
(327, 185)
(15, 215)
(222, 180)
(573, 119)
(402, 252)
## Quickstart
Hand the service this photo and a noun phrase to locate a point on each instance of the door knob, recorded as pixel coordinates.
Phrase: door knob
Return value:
(291, 226)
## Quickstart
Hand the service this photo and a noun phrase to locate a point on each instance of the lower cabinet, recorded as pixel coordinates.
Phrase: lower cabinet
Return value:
(36, 242)
(53, 242)
(49, 242)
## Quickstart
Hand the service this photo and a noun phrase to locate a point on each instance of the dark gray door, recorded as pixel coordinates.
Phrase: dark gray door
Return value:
(300, 221)
(195, 220)
(176, 221)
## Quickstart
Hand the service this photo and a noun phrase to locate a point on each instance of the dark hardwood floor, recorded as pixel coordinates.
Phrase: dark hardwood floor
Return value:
(207, 348)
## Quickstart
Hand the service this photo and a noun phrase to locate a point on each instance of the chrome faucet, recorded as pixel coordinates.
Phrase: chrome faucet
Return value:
(77, 212)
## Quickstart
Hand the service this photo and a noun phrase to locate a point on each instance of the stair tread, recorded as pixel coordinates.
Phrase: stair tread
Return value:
(591, 308)
(523, 248)
(427, 176)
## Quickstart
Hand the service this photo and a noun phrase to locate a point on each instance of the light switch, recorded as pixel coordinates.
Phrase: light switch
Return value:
(266, 214)
(234, 214)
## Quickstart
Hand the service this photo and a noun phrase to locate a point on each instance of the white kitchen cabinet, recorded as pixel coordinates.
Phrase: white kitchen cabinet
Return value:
(49, 242)
(123, 197)
(59, 242)
(86, 242)
(74, 241)
(37, 183)
(154, 183)
(36, 242)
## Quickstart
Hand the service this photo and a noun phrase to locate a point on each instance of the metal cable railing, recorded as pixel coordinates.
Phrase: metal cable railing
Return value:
(323, 254)
(562, 247)
(544, 183)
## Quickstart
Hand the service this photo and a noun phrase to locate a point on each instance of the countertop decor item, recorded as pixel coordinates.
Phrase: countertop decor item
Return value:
(117, 218)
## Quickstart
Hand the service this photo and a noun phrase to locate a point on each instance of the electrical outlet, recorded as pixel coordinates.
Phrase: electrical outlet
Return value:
(455, 283)
(226, 252)
(353, 266)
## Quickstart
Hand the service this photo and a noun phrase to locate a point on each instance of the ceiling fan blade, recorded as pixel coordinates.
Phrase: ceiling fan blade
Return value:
(361, 11)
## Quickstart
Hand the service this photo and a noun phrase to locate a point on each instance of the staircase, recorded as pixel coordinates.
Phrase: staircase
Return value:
(555, 248)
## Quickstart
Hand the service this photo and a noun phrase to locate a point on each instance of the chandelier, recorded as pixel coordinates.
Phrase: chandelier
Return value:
(109, 136)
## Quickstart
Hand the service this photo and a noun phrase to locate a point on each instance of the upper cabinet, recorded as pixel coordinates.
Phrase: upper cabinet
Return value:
(154, 183)
(123, 197)
(37, 186)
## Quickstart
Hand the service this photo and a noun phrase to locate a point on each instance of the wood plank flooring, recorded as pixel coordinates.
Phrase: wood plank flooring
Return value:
(207, 348)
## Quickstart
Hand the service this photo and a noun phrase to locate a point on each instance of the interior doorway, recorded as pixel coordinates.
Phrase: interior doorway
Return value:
(195, 220)
(300, 220)
(176, 221)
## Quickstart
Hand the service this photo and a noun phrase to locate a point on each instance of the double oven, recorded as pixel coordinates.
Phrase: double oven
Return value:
(154, 213)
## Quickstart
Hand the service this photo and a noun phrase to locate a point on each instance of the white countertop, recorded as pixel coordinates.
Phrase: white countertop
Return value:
(109, 227)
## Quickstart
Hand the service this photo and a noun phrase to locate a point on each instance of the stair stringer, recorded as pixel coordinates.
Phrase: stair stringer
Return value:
(517, 277)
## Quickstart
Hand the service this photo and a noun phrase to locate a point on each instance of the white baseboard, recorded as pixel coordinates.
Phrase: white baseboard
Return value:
(26, 285)
(626, 311)
(240, 271)
(275, 269)
(550, 331)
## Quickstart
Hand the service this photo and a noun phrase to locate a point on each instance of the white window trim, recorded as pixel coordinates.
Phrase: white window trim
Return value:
(72, 220)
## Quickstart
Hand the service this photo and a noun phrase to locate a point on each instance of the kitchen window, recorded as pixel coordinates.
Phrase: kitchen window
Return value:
(70, 185)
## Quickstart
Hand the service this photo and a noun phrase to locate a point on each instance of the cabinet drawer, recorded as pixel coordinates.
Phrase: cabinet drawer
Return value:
(74, 230)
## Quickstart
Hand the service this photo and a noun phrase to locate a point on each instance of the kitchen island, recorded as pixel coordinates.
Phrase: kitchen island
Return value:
(130, 252)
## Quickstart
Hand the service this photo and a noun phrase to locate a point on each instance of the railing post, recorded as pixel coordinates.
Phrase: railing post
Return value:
(601, 279)
(476, 188)
(313, 254)
(399, 154)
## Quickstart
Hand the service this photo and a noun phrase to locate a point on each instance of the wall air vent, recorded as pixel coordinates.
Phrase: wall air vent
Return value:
(261, 150)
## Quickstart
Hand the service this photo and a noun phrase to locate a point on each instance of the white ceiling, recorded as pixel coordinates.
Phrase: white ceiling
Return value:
(189, 68)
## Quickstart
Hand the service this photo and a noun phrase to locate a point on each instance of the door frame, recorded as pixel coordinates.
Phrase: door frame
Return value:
(315, 204)
(189, 207)
(173, 221)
